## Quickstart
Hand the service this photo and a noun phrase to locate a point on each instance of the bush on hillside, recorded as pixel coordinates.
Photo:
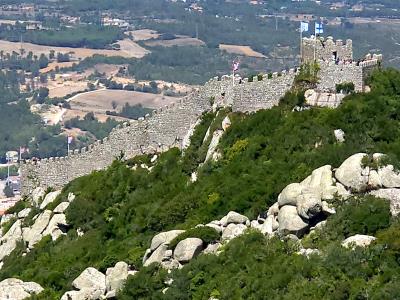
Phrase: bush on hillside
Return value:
(206, 234)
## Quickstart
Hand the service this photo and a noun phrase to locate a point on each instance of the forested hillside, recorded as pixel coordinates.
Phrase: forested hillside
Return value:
(122, 208)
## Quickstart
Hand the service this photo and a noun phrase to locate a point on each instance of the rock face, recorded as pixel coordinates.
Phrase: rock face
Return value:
(358, 240)
(339, 135)
(91, 280)
(9, 241)
(157, 256)
(188, 249)
(164, 238)
(15, 289)
(352, 174)
(290, 222)
(50, 197)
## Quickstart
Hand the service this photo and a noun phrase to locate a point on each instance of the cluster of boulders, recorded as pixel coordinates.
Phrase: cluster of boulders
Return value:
(301, 208)
(91, 284)
(46, 222)
(15, 289)
(229, 227)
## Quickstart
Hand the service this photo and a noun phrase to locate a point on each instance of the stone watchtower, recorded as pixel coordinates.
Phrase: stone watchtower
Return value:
(326, 49)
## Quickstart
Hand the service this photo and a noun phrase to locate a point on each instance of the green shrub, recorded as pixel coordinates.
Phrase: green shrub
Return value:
(20, 205)
(346, 87)
(7, 225)
(366, 215)
(206, 234)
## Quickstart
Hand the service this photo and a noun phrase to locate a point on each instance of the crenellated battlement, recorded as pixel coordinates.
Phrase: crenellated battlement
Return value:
(326, 49)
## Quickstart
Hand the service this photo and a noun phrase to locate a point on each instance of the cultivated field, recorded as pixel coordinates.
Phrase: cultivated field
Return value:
(180, 41)
(101, 100)
(241, 50)
(143, 34)
(128, 49)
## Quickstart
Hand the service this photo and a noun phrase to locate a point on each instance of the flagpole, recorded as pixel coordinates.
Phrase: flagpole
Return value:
(301, 44)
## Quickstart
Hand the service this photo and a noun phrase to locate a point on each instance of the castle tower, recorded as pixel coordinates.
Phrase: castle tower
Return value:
(326, 49)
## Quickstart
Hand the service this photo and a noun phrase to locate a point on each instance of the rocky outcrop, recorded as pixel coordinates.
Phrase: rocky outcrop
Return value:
(358, 240)
(164, 238)
(229, 227)
(91, 280)
(91, 284)
(15, 289)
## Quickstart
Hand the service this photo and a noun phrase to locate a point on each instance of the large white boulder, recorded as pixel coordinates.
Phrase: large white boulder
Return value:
(61, 208)
(91, 279)
(24, 213)
(226, 123)
(9, 241)
(321, 182)
(289, 194)
(352, 173)
(34, 234)
(116, 277)
(15, 289)
(235, 218)
(50, 197)
(339, 135)
(187, 249)
(393, 195)
(232, 231)
(290, 222)
(157, 256)
(164, 238)
(53, 229)
(389, 177)
(358, 240)
(309, 205)
(214, 144)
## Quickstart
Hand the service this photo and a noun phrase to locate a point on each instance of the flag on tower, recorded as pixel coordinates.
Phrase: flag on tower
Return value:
(303, 26)
(318, 28)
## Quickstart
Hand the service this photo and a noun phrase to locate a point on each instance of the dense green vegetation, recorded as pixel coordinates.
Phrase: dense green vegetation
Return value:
(120, 209)
(89, 36)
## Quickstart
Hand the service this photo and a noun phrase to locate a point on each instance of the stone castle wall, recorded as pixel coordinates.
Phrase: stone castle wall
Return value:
(166, 128)
(169, 127)
(331, 74)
